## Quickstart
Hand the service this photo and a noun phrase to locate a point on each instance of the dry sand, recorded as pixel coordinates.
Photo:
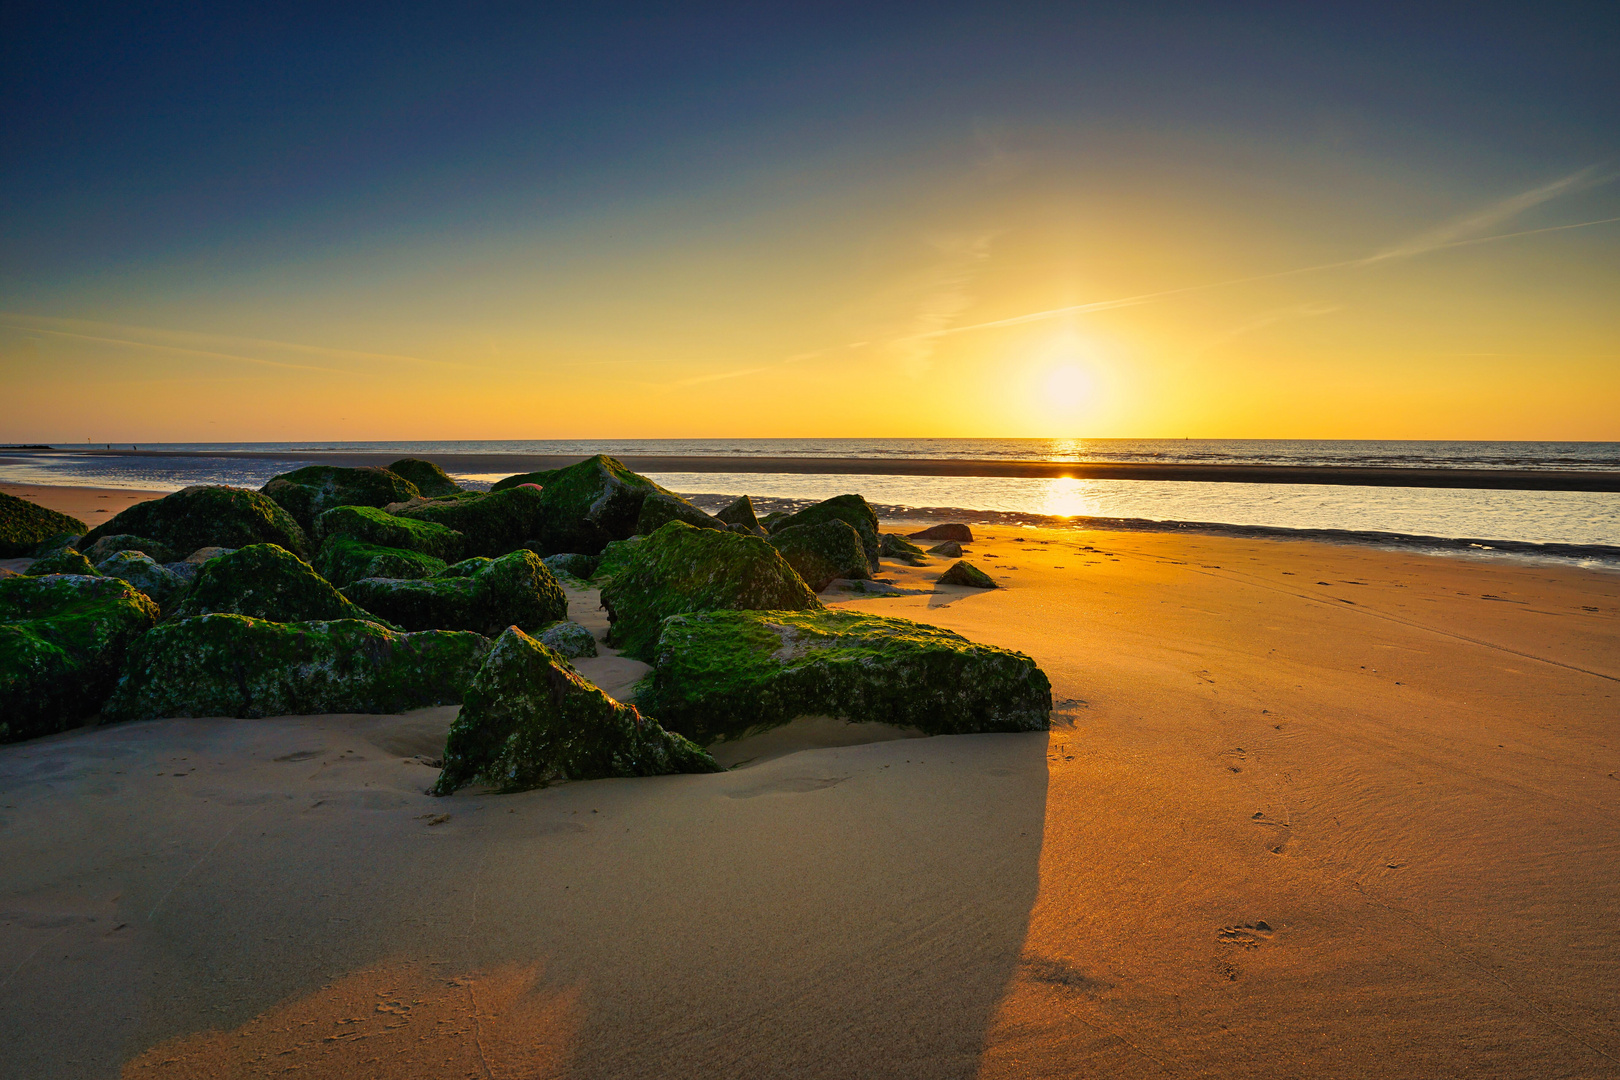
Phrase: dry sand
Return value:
(1406, 767)
(93, 506)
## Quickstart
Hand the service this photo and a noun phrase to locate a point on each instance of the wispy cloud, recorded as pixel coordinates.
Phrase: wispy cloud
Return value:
(948, 294)
(1469, 225)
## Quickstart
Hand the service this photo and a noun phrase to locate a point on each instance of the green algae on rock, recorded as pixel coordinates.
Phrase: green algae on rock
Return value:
(528, 719)
(727, 674)
(741, 512)
(849, 508)
(146, 574)
(63, 639)
(265, 582)
(343, 561)
(615, 560)
(571, 563)
(428, 478)
(569, 640)
(950, 549)
(892, 546)
(24, 525)
(65, 561)
(660, 508)
(481, 595)
(198, 517)
(234, 665)
(490, 524)
(679, 569)
(823, 552)
(591, 504)
(378, 527)
(54, 543)
(309, 492)
(539, 479)
(963, 573)
(106, 547)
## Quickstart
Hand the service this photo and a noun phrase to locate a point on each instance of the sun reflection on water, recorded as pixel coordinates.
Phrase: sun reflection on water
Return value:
(1068, 497)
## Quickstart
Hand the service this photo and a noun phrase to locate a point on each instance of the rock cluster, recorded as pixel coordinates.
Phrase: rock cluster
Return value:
(481, 595)
(199, 517)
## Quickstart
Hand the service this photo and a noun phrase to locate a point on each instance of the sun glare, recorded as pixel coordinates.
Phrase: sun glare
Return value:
(1067, 388)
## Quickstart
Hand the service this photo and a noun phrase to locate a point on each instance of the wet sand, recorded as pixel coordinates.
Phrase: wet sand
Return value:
(1306, 810)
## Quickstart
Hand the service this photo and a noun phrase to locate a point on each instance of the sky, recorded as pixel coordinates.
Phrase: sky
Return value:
(483, 221)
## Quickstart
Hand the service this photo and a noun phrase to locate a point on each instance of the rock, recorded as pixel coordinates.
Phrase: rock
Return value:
(569, 640)
(967, 574)
(23, 525)
(741, 513)
(679, 569)
(950, 531)
(203, 554)
(529, 720)
(264, 581)
(66, 561)
(108, 546)
(950, 549)
(4, 573)
(870, 587)
(571, 563)
(772, 519)
(146, 574)
(848, 508)
(233, 665)
(428, 478)
(482, 595)
(204, 517)
(57, 542)
(898, 547)
(187, 571)
(822, 552)
(62, 641)
(614, 560)
(726, 674)
(382, 529)
(492, 523)
(660, 508)
(591, 504)
(343, 561)
(538, 479)
(309, 492)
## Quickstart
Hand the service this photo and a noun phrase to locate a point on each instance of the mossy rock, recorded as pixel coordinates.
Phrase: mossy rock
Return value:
(199, 517)
(309, 492)
(57, 542)
(569, 640)
(264, 581)
(427, 477)
(63, 639)
(950, 549)
(823, 552)
(726, 674)
(529, 719)
(146, 574)
(482, 595)
(234, 665)
(772, 519)
(539, 479)
(847, 508)
(680, 569)
(741, 512)
(492, 523)
(343, 561)
(615, 560)
(378, 527)
(964, 573)
(892, 546)
(106, 547)
(571, 563)
(661, 507)
(591, 504)
(66, 561)
(24, 525)
(468, 567)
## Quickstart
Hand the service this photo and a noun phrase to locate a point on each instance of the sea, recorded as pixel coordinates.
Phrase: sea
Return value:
(1520, 520)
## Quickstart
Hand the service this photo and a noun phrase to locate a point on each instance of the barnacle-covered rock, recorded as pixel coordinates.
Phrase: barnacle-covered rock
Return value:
(203, 517)
(482, 595)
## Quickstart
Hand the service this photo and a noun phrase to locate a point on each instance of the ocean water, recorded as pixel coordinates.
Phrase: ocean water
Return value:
(1533, 517)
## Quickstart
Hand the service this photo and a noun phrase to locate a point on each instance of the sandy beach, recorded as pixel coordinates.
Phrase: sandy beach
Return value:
(1305, 810)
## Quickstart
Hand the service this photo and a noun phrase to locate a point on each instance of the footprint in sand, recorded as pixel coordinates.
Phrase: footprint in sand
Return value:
(1247, 936)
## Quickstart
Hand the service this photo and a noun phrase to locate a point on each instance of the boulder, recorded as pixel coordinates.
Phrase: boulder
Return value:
(62, 641)
(569, 640)
(614, 560)
(727, 674)
(949, 531)
(343, 561)
(382, 529)
(427, 477)
(482, 595)
(264, 581)
(146, 574)
(24, 525)
(571, 563)
(823, 552)
(679, 569)
(591, 504)
(528, 719)
(204, 517)
(950, 549)
(772, 519)
(538, 479)
(490, 524)
(54, 543)
(106, 547)
(660, 508)
(741, 512)
(203, 554)
(309, 492)
(234, 665)
(963, 573)
(893, 546)
(849, 508)
(65, 561)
